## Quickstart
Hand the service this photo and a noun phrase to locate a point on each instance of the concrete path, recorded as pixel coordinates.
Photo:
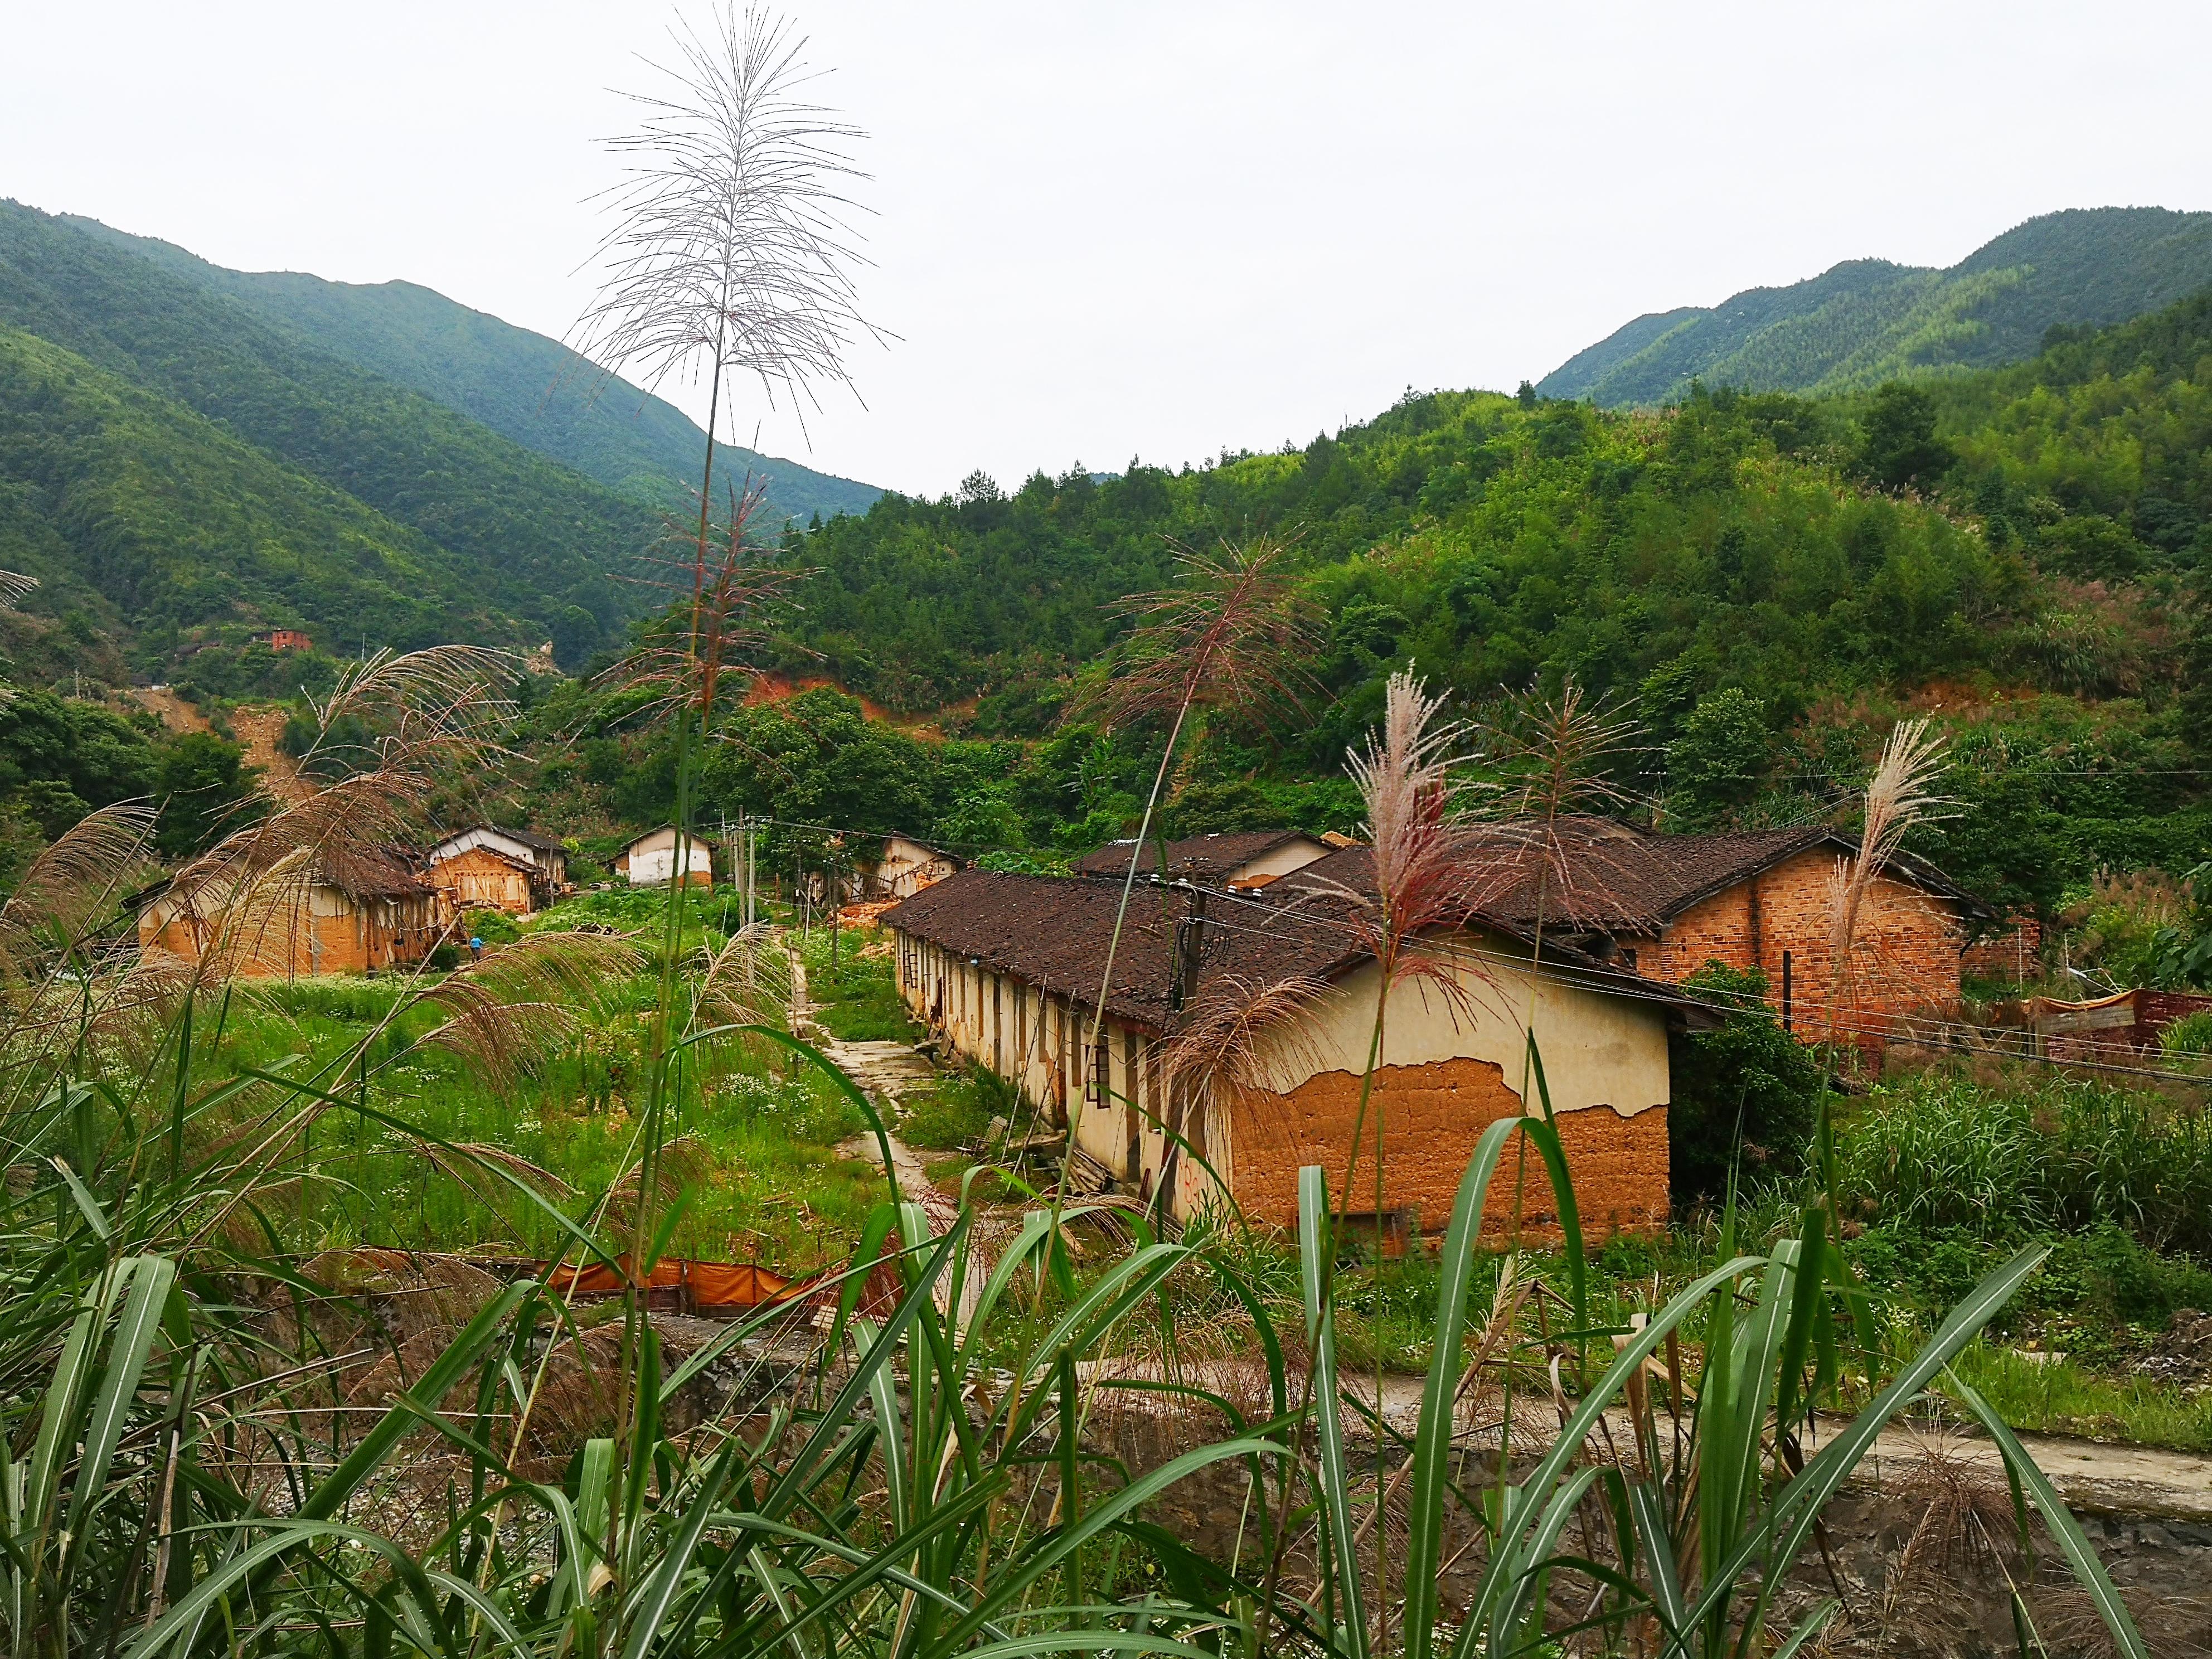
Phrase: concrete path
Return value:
(2094, 1477)
(884, 1071)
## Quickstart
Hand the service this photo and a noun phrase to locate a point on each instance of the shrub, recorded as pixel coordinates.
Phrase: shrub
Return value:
(2189, 1035)
(956, 1112)
(492, 927)
(1944, 1151)
(1743, 1096)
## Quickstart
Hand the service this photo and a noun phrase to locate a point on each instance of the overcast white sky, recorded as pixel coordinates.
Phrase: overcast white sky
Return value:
(1142, 229)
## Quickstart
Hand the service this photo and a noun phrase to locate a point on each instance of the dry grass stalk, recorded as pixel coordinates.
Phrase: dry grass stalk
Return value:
(1233, 630)
(1558, 750)
(1899, 796)
(1233, 633)
(748, 982)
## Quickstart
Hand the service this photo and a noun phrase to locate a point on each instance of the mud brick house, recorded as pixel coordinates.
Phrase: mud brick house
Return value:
(488, 868)
(904, 868)
(342, 914)
(1008, 968)
(1664, 906)
(1241, 859)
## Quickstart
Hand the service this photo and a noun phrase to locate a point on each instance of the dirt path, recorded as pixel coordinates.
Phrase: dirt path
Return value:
(175, 714)
(883, 1071)
(258, 728)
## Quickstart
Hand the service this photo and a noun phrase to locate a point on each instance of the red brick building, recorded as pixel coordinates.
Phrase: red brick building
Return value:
(1664, 906)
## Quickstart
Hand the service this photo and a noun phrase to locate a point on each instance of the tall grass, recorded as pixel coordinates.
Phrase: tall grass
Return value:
(1942, 1151)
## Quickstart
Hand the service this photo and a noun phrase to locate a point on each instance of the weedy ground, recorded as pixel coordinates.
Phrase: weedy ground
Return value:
(1946, 1175)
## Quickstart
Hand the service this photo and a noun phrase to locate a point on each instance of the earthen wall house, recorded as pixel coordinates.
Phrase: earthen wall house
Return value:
(485, 867)
(375, 913)
(481, 880)
(1007, 968)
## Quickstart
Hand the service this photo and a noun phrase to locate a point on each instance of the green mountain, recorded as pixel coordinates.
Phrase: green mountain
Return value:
(1869, 320)
(423, 524)
(522, 386)
(1763, 582)
(147, 519)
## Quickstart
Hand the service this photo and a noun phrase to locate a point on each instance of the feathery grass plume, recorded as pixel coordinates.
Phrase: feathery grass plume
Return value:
(748, 982)
(1899, 796)
(733, 248)
(684, 1160)
(75, 884)
(462, 1162)
(1240, 1036)
(1408, 780)
(1234, 632)
(509, 1012)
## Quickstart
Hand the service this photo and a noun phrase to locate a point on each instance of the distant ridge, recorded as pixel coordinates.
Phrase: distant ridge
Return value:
(1869, 320)
(524, 387)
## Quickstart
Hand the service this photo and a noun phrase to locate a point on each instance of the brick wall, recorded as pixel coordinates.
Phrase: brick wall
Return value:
(1433, 1115)
(2014, 953)
(1906, 959)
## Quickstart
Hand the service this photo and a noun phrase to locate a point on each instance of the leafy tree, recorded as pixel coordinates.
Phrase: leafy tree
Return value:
(1898, 445)
(61, 758)
(575, 636)
(199, 780)
(1743, 1096)
(1720, 759)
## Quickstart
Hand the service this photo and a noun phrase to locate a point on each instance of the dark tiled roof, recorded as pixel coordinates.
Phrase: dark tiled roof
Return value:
(1199, 858)
(370, 874)
(1594, 875)
(543, 843)
(1054, 933)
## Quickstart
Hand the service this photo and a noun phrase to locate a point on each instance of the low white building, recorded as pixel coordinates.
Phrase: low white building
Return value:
(661, 856)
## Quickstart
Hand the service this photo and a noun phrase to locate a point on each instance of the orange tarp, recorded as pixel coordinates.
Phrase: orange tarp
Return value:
(712, 1284)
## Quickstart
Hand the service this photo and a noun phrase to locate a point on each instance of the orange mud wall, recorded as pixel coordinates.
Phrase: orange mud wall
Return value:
(326, 934)
(1451, 1066)
(1432, 1117)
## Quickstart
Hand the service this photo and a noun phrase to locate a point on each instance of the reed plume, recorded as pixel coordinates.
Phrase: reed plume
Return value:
(1233, 633)
(1899, 796)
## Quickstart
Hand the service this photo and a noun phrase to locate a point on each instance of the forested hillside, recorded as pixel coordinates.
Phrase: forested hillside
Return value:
(154, 521)
(530, 537)
(1762, 583)
(1867, 321)
(522, 386)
